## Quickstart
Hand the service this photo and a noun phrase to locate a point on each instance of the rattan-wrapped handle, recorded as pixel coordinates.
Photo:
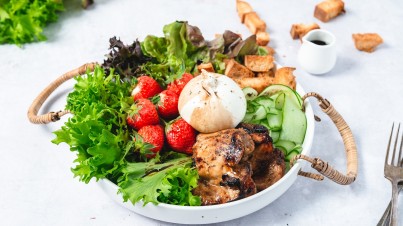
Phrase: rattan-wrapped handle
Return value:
(349, 145)
(41, 98)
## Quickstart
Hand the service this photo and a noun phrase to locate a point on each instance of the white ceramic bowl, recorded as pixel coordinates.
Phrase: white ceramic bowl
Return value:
(222, 212)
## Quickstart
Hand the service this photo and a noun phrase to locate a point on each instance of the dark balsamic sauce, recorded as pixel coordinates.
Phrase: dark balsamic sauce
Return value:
(319, 42)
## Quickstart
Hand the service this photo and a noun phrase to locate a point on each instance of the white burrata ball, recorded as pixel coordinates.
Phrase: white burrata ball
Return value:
(212, 102)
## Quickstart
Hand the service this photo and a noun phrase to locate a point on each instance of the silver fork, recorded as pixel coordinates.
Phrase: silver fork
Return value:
(394, 172)
(384, 221)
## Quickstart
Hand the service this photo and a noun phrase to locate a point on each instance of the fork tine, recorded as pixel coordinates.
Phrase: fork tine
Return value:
(388, 148)
(394, 148)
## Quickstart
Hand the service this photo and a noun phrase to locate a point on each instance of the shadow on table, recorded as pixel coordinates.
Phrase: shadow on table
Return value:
(72, 9)
(343, 65)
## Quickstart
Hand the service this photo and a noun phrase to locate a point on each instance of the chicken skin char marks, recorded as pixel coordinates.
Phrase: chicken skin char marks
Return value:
(236, 163)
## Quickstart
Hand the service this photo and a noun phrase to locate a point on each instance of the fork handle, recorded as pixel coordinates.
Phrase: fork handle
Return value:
(349, 144)
(393, 216)
(386, 215)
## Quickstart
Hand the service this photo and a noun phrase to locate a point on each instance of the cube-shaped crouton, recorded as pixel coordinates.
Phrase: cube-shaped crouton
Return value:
(226, 61)
(300, 30)
(286, 77)
(243, 8)
(262, 38)
(259, 63)
(270, 73)
(207, 66)
(257, 83)
(236, 70)
(254, 23)
(263, 74)
(328, 10)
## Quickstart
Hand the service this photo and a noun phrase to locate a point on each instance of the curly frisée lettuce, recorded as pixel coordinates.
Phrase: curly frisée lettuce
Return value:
(169, 182)
(97, 130)
(22, 21)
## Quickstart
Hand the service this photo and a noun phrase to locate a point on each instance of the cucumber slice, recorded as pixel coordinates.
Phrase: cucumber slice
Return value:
(297, 148)
(248, 117)
(260, 113)
(271, 90)
(286, 145)
(275, 121)
(274, 135)
(283, 150)
(274, 96)
(294, 122)
(250, 108)
(291, 155)
(280, 101)
(273, 111)
(250, 93)
(265, 124)
(265, 102)
(299, 98)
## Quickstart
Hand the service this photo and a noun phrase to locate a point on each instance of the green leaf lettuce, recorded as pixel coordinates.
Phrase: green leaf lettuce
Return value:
(96, 131)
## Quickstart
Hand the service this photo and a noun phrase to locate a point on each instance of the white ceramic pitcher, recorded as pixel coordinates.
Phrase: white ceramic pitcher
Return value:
(317, 54)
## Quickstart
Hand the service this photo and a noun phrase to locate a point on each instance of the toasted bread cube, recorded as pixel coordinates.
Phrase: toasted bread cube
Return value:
(243, 8)
(367, 42)
(285, 76)
(262, 38)
(263, 74)
(236, 70)
(257, 83)
(328, 10)
(226, 61)
(254, 23)
(259, 63)
(207, 66)
(270, 73)
(300, 30)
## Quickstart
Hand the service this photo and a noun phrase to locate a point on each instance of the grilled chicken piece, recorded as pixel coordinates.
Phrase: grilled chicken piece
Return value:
(216, 153)
(218, 158)
(212, 194)
(240, 177)
(236, 163)
(270, 172)
(259, 133)
(234, 185)
(267, 162)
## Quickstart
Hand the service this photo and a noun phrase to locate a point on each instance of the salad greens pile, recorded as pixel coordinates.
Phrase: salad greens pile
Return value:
(22, 21)
(97, 132)
(180, 50)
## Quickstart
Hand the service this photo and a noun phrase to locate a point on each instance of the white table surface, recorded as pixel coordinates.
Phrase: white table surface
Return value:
(37, 187)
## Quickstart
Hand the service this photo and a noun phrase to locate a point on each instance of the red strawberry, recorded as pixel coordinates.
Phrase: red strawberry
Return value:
(178, 85)
(143, 113)
(180, 136)
(154, 135)
(168, 104)
(146, 87)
